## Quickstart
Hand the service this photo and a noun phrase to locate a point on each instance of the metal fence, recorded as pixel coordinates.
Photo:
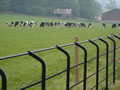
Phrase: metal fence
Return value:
(67, 70)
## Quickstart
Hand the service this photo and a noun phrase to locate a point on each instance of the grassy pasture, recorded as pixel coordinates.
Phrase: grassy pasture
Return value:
(24, 70)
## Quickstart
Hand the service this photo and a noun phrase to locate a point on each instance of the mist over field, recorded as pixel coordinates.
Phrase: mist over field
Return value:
(103, 3)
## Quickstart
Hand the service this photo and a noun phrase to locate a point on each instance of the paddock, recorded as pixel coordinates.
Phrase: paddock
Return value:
(15, 40)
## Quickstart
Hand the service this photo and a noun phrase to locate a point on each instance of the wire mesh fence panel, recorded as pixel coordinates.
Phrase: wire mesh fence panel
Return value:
(54, 68)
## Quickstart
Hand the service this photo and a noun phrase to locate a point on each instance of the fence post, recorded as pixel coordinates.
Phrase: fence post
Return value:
(77, 70)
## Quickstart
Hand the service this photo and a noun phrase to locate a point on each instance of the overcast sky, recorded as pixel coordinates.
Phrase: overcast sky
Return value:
(104, 2)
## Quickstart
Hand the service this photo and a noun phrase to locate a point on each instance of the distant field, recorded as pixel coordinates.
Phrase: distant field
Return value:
(22, 71)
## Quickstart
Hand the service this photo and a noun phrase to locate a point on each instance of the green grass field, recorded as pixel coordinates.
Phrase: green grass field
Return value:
(24, 70)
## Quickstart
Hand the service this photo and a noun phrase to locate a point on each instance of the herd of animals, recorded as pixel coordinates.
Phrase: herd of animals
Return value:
(44, 24)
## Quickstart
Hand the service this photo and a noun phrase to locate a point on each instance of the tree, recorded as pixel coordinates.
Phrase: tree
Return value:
(18, 5)
(111, 5)
(74, 5)
(89, 8)
(4, 5)
(82, 8)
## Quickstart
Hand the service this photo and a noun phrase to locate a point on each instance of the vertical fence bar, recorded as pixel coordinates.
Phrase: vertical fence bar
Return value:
(97, 64)
(4, 80)
(114, 56)
(68, 66)
(77, 70)
(43, 68)
(112, 49)
(107, 50)
(85, 64)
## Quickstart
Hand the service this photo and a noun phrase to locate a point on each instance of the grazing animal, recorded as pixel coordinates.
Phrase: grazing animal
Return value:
(9, 24)
(42, 24)
(119, 25)
(104, 25)
(12, 23)
(89, 25)
(68, 24)
(71, 24)
(32, 23)
(51, 24)
(26, 23)
(57, 24)
(21, 23)
(82, 25)
(16, 24)
(114, 25)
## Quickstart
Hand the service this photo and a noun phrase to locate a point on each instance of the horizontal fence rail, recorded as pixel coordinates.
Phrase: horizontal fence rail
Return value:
(46, 49)
(68, 67)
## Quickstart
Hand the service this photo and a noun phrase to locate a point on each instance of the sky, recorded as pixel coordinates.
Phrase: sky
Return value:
(104, 2)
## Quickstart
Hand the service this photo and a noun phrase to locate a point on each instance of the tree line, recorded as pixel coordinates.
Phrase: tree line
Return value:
(80, 8)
